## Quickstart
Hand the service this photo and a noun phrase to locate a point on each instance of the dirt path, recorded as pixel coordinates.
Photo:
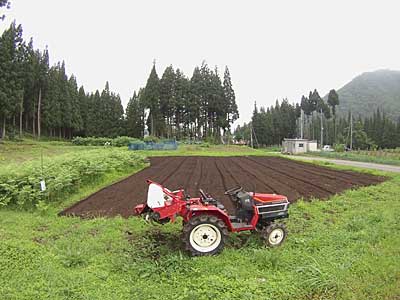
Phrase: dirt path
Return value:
(216, 174)
(358, 164)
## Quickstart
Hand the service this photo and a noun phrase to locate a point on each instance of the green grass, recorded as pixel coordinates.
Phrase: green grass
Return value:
(347, 247)
(363, 156)
(12, 154)
(210, 150)
(15, 153)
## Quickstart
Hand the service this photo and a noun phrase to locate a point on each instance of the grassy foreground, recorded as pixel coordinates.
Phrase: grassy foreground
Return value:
(345, 248)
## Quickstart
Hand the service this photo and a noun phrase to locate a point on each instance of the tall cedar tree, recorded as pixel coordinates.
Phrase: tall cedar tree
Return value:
(135, 116)
(333, 101)
(232, 113)
(151, 100)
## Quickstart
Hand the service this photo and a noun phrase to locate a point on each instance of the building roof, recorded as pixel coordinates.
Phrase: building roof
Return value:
(299, 140)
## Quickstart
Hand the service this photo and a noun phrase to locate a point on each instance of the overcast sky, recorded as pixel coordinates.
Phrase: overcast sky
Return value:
(274, 49)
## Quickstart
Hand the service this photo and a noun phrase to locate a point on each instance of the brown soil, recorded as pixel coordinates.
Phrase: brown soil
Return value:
(215, 175)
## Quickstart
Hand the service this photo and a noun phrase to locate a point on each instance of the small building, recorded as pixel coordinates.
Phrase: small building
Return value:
(296, 146)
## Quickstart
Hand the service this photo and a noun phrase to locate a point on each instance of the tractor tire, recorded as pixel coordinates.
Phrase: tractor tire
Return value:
(204, 235)
(274, 234)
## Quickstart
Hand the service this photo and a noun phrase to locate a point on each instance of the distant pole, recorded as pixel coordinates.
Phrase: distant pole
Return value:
(351, 130)
(251, 135)
(301, 124)
(322, 130)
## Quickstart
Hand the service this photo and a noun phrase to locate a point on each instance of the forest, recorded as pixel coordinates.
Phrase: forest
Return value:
(271, 125)
(40, 99)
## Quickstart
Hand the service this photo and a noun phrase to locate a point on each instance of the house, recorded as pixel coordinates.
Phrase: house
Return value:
(296, 146)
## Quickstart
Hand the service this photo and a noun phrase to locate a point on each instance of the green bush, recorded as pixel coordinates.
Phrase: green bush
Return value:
(124, 141)
(205, 145)
(151, 138)
(339, 147)
(91, 141)
(121, 141)
(63, 175)
(212, 140)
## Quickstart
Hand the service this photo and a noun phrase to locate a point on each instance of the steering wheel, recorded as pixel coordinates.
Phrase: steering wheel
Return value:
(203, 195)
(233, 191)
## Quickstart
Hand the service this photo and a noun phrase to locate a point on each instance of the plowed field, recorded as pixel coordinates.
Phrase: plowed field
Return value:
(215, 175)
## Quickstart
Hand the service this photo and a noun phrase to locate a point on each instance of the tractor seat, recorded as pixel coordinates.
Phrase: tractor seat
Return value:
(245, 200)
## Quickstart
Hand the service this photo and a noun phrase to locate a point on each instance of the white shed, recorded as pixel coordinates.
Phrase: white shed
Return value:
(296, 146)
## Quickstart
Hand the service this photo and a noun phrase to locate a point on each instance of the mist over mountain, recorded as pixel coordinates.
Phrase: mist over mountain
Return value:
(370, 91)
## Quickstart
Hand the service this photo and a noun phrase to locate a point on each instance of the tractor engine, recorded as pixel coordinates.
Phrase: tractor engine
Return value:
(269, 208)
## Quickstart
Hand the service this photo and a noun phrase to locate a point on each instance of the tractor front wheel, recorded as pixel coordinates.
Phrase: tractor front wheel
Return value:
(274, 234)
(204, 235)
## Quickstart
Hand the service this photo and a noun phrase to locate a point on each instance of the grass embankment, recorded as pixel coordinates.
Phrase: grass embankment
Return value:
(347, 247)
(389, 157)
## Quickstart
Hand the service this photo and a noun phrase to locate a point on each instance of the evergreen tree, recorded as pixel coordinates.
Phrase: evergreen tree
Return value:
(42, 69)
(181, 105)
(232, 113)
(135, 117)
(168, 98)
(196, 100)
(11, 74)
(151, 99)
(333, 101)
(84, 105)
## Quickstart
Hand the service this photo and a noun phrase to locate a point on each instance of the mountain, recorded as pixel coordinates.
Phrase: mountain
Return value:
(370, 91)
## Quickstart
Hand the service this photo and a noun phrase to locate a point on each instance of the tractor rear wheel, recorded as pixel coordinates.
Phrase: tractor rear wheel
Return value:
(204, 235)
(274, 234)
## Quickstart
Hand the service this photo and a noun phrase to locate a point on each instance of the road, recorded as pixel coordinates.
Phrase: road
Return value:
(358, 164)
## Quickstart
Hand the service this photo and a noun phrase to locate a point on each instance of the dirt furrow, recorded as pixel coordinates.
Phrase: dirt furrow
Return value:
(307, 179)
(216, 174)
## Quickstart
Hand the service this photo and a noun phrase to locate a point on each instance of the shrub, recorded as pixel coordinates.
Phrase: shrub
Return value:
(339, 147)
(151, 138)
(121, 141)
(205, 145)
(124, 141)
(63, 175)
(212, 140)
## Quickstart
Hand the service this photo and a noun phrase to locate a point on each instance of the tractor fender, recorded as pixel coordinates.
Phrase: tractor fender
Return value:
(141, 208)
(196, 210)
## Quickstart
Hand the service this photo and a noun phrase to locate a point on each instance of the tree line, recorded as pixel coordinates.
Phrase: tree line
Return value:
(283, 120)
(42, 100)
(203, 106)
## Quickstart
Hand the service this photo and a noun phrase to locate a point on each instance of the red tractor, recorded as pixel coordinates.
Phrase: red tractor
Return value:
(206, 223)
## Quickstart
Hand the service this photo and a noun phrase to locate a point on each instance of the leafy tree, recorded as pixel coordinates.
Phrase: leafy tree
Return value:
(242, 133)
(360, 138)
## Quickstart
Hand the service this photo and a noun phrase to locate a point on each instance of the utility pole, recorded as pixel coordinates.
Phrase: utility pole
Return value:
(351, 130)
(301, 124)
(322, 130)
(251, 134)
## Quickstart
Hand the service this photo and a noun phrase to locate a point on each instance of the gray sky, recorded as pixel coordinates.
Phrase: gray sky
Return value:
(274, 49)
